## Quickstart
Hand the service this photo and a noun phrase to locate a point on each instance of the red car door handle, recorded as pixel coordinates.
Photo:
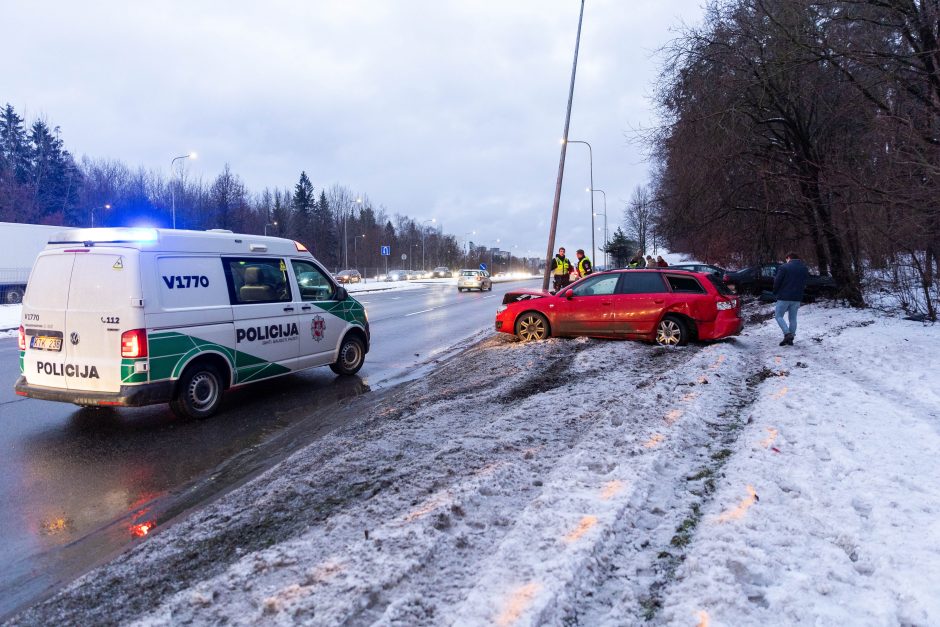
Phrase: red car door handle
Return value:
(607, 303)
(659, 302)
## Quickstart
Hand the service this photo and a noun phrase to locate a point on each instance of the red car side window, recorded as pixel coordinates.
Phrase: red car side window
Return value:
(685, 285)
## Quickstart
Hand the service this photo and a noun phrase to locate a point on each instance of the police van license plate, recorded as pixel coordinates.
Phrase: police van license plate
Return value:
(45, 343)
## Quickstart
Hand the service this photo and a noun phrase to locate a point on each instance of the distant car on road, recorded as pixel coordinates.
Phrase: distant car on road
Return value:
(474, 280)
(699, 267)
(664, 306)
(759, 279)
(348, 276)
(396, 275)
(442, 272)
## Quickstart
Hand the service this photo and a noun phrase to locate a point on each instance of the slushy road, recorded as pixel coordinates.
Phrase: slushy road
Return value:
(75, 484)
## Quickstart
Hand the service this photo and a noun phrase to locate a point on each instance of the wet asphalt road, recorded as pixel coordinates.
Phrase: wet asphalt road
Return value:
(76, 484)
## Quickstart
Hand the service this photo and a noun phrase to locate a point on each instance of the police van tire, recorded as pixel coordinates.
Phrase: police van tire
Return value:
(198, 392)
(352, 354)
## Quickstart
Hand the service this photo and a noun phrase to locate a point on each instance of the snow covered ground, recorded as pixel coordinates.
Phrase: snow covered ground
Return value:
(585, 482)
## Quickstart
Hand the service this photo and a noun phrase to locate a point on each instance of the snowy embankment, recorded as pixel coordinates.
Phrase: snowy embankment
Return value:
(10, 319)
(372, 285)
(585, 482)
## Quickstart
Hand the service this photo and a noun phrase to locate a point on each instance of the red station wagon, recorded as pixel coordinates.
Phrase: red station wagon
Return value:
(669, 307)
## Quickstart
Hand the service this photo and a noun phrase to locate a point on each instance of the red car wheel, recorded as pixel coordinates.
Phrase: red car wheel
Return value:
(532, 326)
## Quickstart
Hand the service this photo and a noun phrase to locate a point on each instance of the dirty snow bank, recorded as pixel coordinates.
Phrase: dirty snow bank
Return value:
(584, 482)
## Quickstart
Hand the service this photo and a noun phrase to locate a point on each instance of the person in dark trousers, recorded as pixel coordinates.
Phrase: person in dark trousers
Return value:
(561, 270)
(584, 264)
(789, 283)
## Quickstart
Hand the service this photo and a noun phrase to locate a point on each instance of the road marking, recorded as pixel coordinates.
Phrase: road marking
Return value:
(421, 312)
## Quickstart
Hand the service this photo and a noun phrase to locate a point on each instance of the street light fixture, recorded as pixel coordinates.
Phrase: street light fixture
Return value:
(191, 155)
(591, 163)
(267, 225)
(432, 220)
(594, 191)
(105, 206)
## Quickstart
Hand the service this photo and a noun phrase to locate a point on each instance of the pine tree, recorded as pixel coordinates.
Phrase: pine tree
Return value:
(325, 237)
(621, 248)
(303, 205)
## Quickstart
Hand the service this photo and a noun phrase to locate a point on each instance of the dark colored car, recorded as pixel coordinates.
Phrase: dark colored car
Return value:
(700, 267)
(348, 276)
(397, 275)
(665, 306)
(760, 279)
(442, 272)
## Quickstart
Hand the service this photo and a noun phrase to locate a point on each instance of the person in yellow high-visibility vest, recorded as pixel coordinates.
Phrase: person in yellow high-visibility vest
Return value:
(584, 264)
(561, 269)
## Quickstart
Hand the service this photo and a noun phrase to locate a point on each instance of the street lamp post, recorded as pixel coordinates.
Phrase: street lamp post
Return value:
(561, 160)
(191, 155)
(267, 225)
(105, 206)
(591, 163)
(345, 240)
(593, 191)
(356, 248)
(432, 220)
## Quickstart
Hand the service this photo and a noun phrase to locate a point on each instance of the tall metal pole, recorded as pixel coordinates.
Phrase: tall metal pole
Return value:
(561, 160)
(591, 162)
(605, 224)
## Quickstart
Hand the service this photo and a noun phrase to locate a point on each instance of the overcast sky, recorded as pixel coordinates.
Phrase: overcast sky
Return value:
(438, 109)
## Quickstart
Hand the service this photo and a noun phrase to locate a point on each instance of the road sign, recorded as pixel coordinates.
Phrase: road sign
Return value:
(404, 256)
(483, 267)
(386, 251)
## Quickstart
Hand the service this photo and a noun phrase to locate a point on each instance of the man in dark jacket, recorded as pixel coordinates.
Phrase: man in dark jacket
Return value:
(789, 283)
(584, 264)
(561, 269)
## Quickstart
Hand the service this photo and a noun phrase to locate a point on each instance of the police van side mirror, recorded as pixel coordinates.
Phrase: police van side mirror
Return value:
(341, 293)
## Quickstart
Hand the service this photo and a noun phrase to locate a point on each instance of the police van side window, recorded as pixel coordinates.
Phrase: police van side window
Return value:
(311, 281)
(252, 280)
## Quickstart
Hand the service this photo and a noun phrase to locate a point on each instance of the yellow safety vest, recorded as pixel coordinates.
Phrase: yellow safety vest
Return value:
(581, 266)
(562, 266)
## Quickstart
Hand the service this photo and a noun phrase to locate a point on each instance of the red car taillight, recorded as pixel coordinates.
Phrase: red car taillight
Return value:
(134, 344)
(22, 338)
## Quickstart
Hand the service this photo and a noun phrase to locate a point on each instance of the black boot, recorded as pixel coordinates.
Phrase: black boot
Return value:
(787, 340)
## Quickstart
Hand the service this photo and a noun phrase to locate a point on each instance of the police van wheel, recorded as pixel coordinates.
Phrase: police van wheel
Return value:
(352, 355)
(199, 393)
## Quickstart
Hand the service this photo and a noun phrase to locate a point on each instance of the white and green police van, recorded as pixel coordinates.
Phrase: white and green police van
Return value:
(130, 317)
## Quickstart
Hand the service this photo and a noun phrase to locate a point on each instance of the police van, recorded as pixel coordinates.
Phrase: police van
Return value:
(131, 317)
